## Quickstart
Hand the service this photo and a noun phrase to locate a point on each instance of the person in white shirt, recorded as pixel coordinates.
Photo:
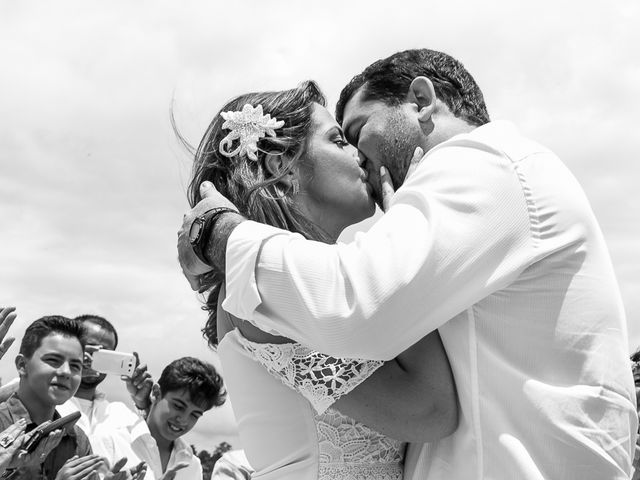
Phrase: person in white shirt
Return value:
(232, 465)
(97, 411)
(492, 242)
(187, 388)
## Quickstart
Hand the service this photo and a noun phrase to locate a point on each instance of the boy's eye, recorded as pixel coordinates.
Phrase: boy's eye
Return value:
(178, 406)
(54, 362)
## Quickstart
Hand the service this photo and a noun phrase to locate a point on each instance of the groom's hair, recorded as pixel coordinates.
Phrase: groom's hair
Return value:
(388, 80)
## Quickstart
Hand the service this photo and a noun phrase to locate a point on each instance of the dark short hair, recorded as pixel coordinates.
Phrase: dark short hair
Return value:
(388, 80)
(100, 321)
(199, 378)
(44, 327)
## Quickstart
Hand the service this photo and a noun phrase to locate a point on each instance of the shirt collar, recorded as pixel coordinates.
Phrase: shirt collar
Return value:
(141, 429)
(18, 410)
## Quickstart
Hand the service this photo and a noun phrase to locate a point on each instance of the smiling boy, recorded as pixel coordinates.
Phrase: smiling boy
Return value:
(187, 388)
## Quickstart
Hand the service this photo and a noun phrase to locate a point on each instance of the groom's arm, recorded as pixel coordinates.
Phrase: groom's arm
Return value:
(457, 231)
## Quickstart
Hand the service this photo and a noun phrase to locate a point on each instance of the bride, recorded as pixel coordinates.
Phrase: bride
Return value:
(282, 159)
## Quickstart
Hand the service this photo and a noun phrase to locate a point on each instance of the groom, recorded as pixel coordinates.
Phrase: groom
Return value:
(492, 242)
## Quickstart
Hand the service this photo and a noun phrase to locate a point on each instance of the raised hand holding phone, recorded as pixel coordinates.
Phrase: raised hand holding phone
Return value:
(112, 362)
(139, 384)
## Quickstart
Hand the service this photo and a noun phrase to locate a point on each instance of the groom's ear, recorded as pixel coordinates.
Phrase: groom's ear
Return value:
(276, 165)
(423, 95)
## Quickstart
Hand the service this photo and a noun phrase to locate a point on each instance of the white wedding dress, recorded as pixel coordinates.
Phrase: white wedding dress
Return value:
(282, 395)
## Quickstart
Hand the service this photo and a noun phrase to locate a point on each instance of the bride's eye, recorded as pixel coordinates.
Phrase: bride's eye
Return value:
(341, 142)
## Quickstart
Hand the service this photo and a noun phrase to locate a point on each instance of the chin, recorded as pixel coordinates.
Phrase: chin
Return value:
(59, 398)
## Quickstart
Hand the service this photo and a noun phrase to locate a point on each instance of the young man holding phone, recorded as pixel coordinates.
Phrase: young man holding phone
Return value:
(98, 413)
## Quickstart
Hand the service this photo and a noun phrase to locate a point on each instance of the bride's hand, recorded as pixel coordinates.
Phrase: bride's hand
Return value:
(387, 184)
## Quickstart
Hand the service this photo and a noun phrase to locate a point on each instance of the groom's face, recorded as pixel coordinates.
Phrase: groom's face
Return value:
(384, 135)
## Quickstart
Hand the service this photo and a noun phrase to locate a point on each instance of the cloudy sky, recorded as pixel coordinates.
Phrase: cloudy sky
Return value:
(92, 179)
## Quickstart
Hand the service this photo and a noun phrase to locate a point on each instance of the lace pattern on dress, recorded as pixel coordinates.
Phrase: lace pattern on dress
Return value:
(320, 378)
(353, 451)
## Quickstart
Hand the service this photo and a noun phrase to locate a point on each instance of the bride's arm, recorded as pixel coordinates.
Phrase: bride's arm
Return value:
(410, 398)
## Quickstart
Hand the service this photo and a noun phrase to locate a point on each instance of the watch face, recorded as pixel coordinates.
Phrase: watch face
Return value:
(195, 230)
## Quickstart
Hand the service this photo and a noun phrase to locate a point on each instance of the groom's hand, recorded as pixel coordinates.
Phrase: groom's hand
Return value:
(387, 184)
(192, 267)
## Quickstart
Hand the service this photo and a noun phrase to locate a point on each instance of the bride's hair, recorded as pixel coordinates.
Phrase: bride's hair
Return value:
(258, 193)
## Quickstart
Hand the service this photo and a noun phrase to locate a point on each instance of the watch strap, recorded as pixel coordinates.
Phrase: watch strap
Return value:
(208, 220)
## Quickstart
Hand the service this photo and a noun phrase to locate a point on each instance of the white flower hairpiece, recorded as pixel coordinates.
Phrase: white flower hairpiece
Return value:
(248, 125)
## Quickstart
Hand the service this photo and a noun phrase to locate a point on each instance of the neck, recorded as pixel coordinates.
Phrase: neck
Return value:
(164, 445)
(86, 393)
(39, 411)
(445, 127)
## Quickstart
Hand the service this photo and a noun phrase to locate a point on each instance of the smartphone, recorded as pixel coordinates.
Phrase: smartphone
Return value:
(112, 362)
(41, 431)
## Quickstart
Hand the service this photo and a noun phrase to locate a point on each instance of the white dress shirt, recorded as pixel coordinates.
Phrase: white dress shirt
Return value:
(232, 465)
(137, 444)
(98, 414)
(493, 242)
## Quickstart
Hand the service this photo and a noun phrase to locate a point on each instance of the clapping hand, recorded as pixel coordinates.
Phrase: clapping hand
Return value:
(42, 450)
(116, 473)
(139, 384)
(81, 468)
(7, 316)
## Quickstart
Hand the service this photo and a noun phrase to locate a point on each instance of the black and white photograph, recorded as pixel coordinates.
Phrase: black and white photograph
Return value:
(287, 240)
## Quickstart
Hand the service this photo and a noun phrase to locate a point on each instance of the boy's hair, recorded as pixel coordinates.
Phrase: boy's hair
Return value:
(199, 378)
(44, 327)
(101, 322)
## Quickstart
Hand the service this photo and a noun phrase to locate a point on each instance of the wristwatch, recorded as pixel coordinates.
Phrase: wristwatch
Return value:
(201, 229)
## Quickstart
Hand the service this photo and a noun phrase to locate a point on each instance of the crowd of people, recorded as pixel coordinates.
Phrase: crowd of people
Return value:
(108, 440)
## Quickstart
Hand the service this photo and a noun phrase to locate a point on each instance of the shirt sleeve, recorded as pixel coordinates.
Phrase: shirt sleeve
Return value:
(225, 469)
(459, 229)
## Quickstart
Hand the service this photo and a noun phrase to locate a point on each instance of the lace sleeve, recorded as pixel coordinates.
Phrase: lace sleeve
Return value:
(320, 378)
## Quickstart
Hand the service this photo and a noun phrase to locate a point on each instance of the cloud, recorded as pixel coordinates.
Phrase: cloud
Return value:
(92, 178)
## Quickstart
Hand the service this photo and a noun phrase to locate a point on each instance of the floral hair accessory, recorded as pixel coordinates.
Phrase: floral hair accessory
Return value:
(248, 125)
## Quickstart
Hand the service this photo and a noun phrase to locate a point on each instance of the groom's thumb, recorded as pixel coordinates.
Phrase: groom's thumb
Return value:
(207, 189)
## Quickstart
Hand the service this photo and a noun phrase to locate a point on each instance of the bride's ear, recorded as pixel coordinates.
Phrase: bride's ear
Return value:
(276, 165)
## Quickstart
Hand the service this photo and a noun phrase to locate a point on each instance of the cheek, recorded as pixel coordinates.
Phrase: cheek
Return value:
(76, 379)
(191, 423)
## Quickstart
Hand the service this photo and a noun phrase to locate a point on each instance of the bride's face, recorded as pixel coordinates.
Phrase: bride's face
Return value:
(334, 191)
